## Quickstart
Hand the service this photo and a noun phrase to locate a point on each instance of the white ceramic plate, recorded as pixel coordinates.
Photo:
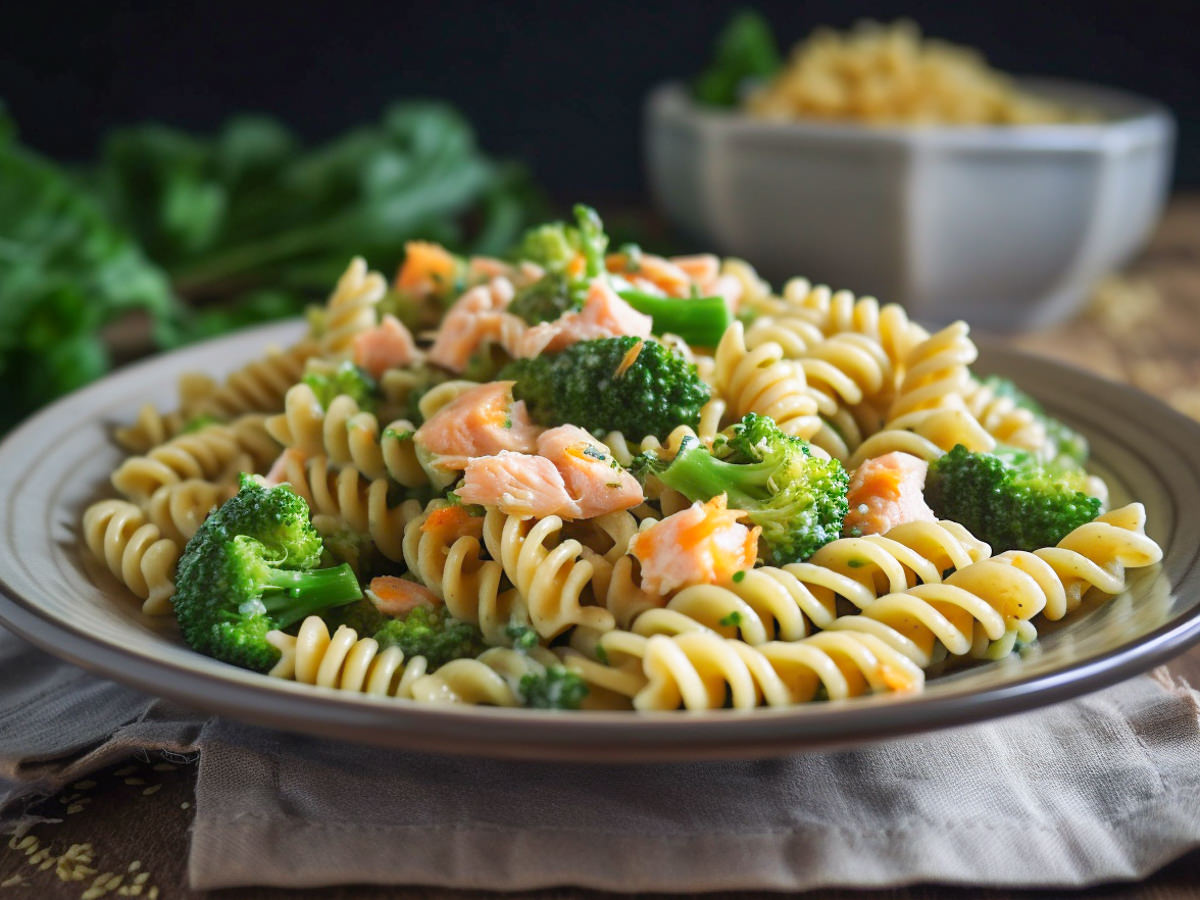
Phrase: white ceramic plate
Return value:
(55, 595)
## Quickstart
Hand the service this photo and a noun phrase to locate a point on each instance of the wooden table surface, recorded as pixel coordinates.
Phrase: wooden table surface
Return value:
(129, 823)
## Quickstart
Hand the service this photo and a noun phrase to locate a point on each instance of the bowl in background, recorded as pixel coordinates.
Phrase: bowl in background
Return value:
(1008, 227)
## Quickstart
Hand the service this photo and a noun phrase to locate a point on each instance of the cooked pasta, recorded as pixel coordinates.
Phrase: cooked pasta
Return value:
(550, 574)
(344, 661)
(134, 550)
(890, 75)
(668, 522)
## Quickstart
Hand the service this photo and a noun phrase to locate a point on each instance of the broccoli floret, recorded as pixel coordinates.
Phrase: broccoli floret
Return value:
(1067, 444)
(551, 246)
(628, 384)
(555, 688)
(546, 299)
(1008, 499)
(251, 568)
(797, 498)
(556, 245)
(346, 379)
(430, 633)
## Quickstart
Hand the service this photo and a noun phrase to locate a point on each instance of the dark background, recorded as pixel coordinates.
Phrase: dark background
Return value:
(556, 84)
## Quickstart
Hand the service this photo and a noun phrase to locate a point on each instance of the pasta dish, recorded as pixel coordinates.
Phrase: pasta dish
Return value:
(592, 477)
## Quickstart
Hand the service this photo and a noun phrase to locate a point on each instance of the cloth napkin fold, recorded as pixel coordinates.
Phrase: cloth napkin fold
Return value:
(1105, 787)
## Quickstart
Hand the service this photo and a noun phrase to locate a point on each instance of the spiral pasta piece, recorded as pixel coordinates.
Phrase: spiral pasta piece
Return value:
(343, 661)
(700, 670)
(493, 678)
(936, 373)
(927, 434)
(360, 502)
(762, 381)
(350, 309)
(348, 436)
(258, 386)
(206, 454)
(177, 510)
(549, 573)
(454, 568)
(150, 429)
(840, 312)
(1003, 419)
(134, 550)
(983, 608)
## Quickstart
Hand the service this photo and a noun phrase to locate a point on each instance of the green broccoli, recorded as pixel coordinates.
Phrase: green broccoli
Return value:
(429, 632)
(628, 384)
(1007, 498)
(251, 568)
(346, 379)
(1067, 444)
(555, 688)
(198, 423)
(546, 299)
(797, 498)
(556, 245)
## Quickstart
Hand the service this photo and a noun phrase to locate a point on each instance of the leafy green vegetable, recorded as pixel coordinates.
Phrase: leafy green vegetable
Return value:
(248, 224)
(251, 208)
(745, 50)
(65, 272)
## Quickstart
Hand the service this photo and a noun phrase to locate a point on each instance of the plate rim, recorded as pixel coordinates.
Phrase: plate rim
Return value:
(659, 736)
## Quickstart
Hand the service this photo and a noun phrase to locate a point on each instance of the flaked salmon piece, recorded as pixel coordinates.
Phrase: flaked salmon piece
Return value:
(449, 523)
(595, 480)
(389, 345)
(485, 268)
(397, 597)
(518, 484)
(703, 544)
(290, 460)
(604, 315)
(479, 422)
(701, 268)
(887, 491)
(428, 269)
(728, 287)
(473, 320)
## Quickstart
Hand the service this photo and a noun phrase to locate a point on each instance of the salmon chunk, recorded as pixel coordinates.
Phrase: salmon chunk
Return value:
(475, 318)
(604, 314)
(703, 544)
(594, 479)
(389, 345)
(887, 491)
(479, 422)
(397, 597)
(517, 484)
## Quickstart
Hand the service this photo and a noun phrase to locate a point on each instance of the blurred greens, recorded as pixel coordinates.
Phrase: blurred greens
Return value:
(207, 234)
(745, 52)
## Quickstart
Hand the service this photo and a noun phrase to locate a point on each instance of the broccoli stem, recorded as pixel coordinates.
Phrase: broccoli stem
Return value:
(698, 320)
(292, 594)
(697, 474)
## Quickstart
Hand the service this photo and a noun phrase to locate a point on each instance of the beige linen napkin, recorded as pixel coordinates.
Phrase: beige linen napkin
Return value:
(1105, 787)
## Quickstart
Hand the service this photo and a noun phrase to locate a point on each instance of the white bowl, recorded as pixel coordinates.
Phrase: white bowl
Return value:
(1007, 227)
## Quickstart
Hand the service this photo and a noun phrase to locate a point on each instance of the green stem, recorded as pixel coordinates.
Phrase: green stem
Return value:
(299, 593)
(700, 321)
